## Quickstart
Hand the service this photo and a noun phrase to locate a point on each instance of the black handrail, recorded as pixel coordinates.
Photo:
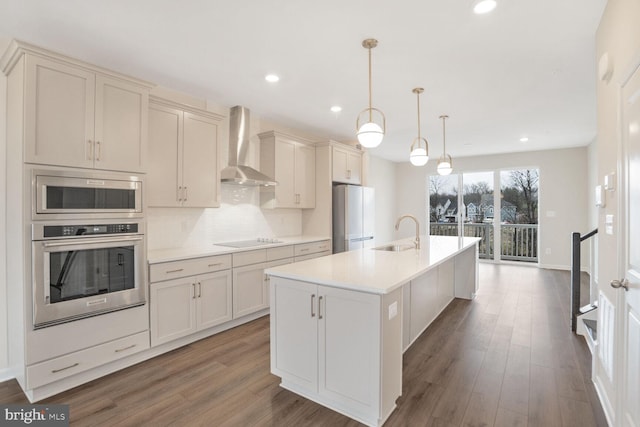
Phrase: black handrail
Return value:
(576, 239)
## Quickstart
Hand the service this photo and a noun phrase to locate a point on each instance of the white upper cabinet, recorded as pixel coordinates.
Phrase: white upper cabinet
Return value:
(346, 165)
(291, 161)
(183, 156)
(76, 116)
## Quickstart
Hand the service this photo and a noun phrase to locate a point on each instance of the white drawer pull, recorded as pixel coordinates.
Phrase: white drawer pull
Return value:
(304, 250)
(55, 371)
(215, 264)
(174, 271)
(126, 348)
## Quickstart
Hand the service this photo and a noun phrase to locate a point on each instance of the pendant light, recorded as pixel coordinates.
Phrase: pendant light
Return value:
(419, 154)
(445, 163)
(370, 133)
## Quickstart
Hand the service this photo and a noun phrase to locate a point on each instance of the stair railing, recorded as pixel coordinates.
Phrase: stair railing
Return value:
(576, 239)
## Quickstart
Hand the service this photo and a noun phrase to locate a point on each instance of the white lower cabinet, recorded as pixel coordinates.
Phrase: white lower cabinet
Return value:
(327, 345)
(183, 306)
(83, 360)
(250, 290)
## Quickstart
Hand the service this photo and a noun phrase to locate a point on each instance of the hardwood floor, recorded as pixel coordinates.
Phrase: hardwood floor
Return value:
(508, 358)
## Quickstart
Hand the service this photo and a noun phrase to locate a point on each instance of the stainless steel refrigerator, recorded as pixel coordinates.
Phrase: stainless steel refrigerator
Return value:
(353, 217)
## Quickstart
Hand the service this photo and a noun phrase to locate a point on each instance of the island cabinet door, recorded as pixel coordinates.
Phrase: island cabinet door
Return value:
(349, 348)
(294, 332)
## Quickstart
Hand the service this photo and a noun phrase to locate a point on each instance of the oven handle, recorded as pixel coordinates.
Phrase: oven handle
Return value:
(72, 242)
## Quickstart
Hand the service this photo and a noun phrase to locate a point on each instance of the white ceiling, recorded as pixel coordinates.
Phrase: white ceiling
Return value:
(528, 68)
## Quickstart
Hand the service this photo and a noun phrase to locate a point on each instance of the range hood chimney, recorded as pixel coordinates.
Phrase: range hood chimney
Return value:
(238, 172)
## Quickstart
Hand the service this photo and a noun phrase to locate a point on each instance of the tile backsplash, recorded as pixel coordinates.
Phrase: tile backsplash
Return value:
(239, 217)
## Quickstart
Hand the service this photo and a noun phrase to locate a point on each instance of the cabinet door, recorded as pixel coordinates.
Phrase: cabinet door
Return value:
(424, 302)
(354, 167)
(285, 153)
(339, 167)
(200, 161)
(120, 125)
(59, 114)
(249, 290)
(165, 135)
(214, 299)
(349, 347)
(294, 332)
(305, 176)
(173, 310)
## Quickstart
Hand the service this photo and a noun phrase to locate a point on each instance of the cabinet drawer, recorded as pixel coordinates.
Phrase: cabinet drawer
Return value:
(311, 256)
(281, 252)
(312, 248)
(249, 257)
(83, 360)
(189, 267)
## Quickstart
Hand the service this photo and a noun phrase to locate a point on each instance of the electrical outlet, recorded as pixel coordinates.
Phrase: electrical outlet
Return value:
(393, 310)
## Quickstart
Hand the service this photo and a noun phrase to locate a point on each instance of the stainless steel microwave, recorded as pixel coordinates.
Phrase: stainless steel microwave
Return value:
(66, 194)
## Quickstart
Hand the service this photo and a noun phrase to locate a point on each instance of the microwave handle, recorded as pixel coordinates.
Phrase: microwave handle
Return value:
(92, 241)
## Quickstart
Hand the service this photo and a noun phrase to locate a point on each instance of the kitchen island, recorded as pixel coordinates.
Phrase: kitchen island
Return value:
(339, 324)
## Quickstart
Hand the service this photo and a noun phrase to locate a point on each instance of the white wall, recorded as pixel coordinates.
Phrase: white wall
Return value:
(382, 177)
(563, 191)
(4, 42)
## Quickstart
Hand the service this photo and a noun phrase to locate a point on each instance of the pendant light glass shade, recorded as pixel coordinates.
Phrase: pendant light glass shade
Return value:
(445, 162)
(370, 132)
(419, 151)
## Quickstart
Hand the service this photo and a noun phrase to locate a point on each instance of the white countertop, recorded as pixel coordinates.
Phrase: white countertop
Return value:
(375, 271)
(177, 254)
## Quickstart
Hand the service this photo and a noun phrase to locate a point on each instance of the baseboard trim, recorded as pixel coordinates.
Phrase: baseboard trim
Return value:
(604, 401)
(6, 374)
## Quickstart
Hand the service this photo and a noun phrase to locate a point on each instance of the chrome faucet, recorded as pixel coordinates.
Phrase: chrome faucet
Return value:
(417, 241)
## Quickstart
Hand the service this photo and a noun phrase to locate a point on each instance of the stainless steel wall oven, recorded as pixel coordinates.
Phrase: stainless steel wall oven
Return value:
(88, 244)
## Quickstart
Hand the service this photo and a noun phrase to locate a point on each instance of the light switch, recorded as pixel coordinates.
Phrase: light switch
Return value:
(608, 224)
(551, 214)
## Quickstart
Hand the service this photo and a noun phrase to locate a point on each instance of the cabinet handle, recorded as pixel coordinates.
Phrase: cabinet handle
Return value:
(267, 278)
(320, 307)
(179, 194)
(125, 348)
(55, 371)
(199, 290)
(304, 250)
(313, 296)
(186, 193)
(89, 156)
(174, 271)
(348, 173)
(215, 264)
(194, 290)
(98, 151)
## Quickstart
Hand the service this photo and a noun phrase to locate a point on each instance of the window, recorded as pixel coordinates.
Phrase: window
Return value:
(506, 223)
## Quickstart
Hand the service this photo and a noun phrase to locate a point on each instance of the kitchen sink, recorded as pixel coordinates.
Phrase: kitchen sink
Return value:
(395, 247)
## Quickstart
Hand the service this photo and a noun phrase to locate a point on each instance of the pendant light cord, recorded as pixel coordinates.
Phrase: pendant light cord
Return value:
(418, 97)
(370, 100)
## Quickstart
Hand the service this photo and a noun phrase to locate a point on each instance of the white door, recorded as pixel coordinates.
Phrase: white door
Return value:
(630, 344)
(249, 290)
(164, 174)
(172, 309)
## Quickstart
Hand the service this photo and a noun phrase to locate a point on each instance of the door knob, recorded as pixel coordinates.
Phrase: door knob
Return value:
(624, 283)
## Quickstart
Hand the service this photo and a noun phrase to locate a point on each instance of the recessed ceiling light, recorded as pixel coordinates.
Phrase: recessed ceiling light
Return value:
(336, 108)
(524, 139)
(271, 78)
(484, 6)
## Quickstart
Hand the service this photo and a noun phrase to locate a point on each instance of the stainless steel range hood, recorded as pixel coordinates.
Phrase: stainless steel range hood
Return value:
(238, 172)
